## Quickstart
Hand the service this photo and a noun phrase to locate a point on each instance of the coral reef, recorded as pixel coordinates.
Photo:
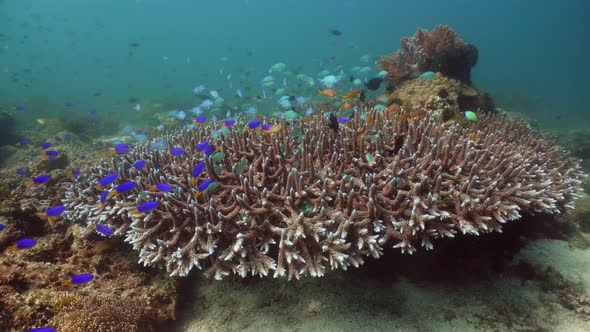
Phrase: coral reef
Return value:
(310, 198)
(31, 293)
(439, 50)
(442, 95)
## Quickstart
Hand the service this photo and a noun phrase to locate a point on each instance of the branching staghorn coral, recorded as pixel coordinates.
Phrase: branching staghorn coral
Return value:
(307, 198)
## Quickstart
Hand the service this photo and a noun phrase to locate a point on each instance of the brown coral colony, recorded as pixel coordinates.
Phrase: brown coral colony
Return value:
(439, 50)
(319, 200)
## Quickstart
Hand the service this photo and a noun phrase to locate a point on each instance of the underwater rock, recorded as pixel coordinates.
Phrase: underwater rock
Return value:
(6, 153)
(7, 134)
(47, 165)
(444, 95)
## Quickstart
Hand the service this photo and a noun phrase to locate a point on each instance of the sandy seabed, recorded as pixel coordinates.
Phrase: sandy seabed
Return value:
(541, 286)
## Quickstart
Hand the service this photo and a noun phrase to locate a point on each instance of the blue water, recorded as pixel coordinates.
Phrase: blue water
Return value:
(58, 51)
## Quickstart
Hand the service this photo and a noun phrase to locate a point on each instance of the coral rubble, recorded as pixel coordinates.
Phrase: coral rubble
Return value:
(31, 293)
(439, 50)
(307, 198)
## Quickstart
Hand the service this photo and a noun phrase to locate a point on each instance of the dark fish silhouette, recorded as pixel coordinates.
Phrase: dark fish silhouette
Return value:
(399, 143)
(333, 124)
(336, 32)
(374, 83)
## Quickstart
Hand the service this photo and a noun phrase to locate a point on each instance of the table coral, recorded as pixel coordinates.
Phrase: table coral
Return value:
(309, 198)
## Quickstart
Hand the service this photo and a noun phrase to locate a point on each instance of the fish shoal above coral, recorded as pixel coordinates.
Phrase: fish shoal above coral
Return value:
(309, 196)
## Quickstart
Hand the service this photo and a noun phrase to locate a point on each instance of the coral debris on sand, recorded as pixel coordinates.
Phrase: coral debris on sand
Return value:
(311, 197)
(439, 50)
(31, 290)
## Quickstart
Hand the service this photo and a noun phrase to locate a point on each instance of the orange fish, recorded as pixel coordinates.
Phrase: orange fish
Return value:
(354, 93)
(346, 106)
(327, 92)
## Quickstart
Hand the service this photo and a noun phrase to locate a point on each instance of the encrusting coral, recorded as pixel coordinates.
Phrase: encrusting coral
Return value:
(310, 197)
(440, 94)
(439, 50)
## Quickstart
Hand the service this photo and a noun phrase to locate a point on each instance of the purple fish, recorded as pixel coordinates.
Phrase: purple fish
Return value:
(55, 210)
(204, 185)
(201, 146)
(162, 187)
(120, 148)
(175, 151)
(107, 179)
(104, 230)
(40, 179)
(25, 243)
(209, 150)
(254, 123)
(125, 187)
(43, 329)
(81, 278)
(146, 207)
(198, 169)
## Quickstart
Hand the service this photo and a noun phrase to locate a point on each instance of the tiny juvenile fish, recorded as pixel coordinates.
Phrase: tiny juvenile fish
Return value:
(106, 180)
(200, 119)
(209, 150)
(202, 187)
(175, 152)
(120, 148)
(201, 146)
(52, 212)
(43, 329)
(78, 279)
(103, 230)
(123, 188)
(139, 163)
(161, 187)
(197, 170)
(253, 124)
(24, 243)
(145, 207)
(39, 180)
(45, 145)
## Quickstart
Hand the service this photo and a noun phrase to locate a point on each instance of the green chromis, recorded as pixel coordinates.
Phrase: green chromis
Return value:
(471, 116)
